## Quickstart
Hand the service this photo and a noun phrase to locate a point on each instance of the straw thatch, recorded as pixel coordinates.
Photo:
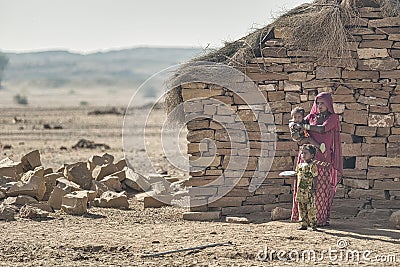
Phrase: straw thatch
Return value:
(321, 26)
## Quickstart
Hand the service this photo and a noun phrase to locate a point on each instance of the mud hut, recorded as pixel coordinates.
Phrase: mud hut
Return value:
(349, 48)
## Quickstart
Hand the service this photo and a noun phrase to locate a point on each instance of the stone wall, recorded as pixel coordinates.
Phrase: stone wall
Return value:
(366, 94)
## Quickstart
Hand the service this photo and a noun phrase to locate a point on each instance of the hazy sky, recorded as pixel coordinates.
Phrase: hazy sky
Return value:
(92, 25)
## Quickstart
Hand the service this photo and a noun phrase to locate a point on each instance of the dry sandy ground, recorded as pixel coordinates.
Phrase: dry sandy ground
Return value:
(109, 237)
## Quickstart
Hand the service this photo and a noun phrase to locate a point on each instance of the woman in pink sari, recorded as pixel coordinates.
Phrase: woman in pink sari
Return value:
(324, 127)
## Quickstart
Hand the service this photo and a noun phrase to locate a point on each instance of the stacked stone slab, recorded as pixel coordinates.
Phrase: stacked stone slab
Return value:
(366, 94)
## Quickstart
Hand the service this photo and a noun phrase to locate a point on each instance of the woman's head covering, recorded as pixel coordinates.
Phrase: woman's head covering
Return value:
(328, 101)
(337, 158)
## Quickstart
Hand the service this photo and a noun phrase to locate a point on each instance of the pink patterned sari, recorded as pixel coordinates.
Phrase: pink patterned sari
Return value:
(328, 176)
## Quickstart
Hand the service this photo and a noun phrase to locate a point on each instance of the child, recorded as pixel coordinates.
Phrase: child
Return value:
(307, 174)
(300, 135)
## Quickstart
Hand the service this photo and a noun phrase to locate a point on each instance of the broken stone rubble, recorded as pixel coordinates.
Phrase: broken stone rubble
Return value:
(28, 186)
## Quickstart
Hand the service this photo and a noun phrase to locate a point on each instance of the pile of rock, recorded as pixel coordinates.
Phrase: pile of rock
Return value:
(33, 191)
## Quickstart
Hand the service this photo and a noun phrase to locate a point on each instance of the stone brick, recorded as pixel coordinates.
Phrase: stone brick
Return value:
(380, 120)
(378, 64)
(197, 124)
(343, 98)
(382, 93)
(280, 214)
(365, 130)
(375, 140)
(202, 216)
(261, 199)
(387, 185)
(273, 190)
(351, 150)
(268, 76)
(383, 131)
(227, 202)
(346, 138)
(342, 90)
(32, 184)
(371, 100)
(382, 173)
(31, 160)
(30, 212)
(393, 74)
(356, 117)
(276, 96)
(328, 73)
(395, 107)
(197, 136)
(301, 66)
(9, 168)
(274, 52)
(384, 22)
(356, 183)
(6, 213)
(369, 12)
(292, 97)
(384, 162)
(298, 76)
(395, 99)
(291, 86)
(354, 173)
(247, 115)
(373, 149)
(79, 174)
(366, 194)
(50, 181)
(112, 182)
(379, 109)
(386, 204)
(394, 37)
(362, 163)
(56, 196)
(121, 164)
(339, 108)
(111, 199)
(394, 139)
(376, 44)
(188, 94)
(359, 74)
(373, 214)
(395, 53)
(100, 160)
(395, 219)
(241, 220)
(348, 128)
(317, 84)
(193, 106)
(19, 200)
(368, 53)
(280, 106)
(75, 203)
(356, 106)
(361, 31)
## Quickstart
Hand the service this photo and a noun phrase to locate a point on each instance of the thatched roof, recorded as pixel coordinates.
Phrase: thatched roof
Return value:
(319, 26)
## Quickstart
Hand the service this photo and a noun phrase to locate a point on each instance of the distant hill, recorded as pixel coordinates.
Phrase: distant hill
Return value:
(62, 69)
